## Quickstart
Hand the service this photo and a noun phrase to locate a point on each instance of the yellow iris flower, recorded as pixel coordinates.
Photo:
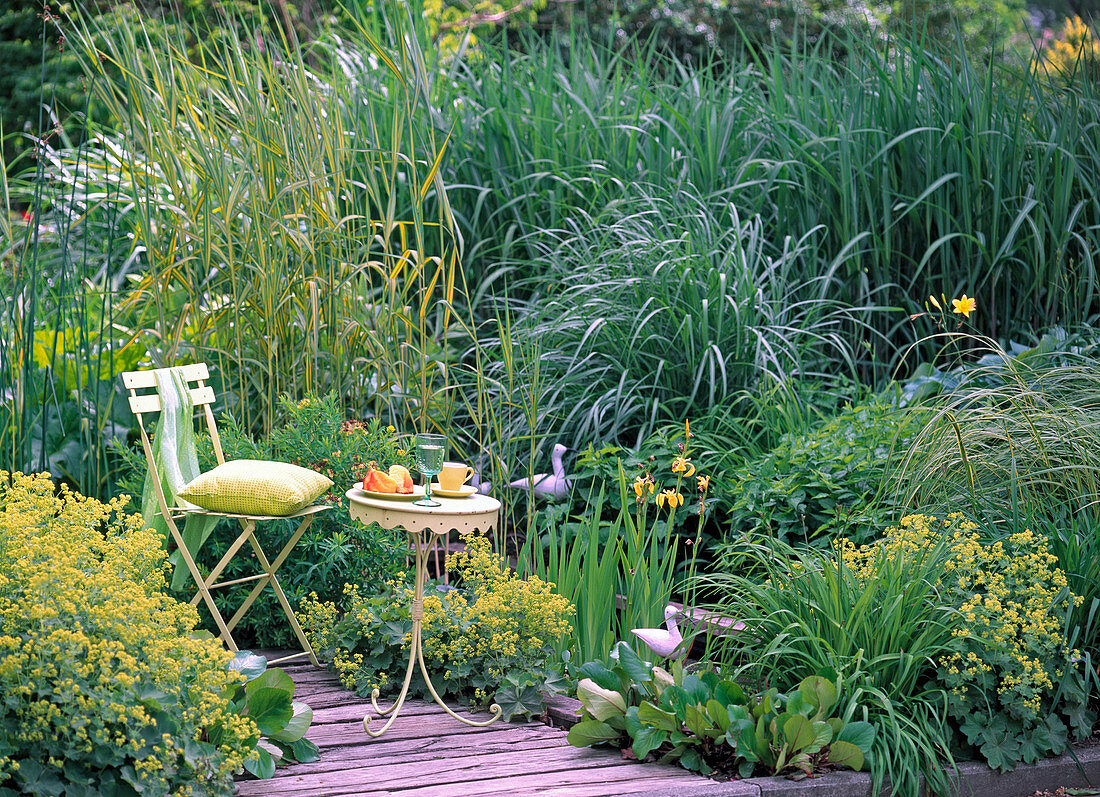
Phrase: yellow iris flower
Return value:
(671, 497)
(684, 466)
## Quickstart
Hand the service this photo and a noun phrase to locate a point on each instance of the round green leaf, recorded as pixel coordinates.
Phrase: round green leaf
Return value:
(298, 725)
(846, 754)
(248, 664)
(270, 709)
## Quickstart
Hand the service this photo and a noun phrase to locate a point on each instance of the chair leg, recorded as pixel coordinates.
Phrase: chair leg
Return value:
(269, 569)
(249, 527)
(203, 591)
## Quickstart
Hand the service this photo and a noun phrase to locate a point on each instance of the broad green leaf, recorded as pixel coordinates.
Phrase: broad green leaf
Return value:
(636, 669)
(649, 714)
(861, 734)
(298, 725)
(260, 764)
(248, 664)
(662, 679)
(823, 734)
(695, 690)
(303, 751)
(270, 709)
(798, 732)
(691, 759)
(697, 722)
(271, 679)
(591, 732)
(602, 676)
(819, 691)
(599, 702)
(647, 740)
(728, 693)
(845, 754)
(719, 714)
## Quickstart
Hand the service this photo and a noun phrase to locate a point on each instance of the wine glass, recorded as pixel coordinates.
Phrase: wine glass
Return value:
(430, 451)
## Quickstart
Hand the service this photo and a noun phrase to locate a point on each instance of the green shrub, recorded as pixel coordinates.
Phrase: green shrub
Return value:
(491, 641)
(106, 690)
(1013, 441)
(805, 612)
(827, 481)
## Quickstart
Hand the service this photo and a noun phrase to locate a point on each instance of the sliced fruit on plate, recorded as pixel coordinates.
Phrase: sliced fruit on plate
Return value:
(377, 481)
(401, 475)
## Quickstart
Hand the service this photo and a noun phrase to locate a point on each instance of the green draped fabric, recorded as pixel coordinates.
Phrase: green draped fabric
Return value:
(177, 463)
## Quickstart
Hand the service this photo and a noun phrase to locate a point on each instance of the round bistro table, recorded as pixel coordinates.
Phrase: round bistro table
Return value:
(424, 525)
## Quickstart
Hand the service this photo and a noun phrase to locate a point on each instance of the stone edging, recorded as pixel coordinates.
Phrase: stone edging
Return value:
(974, 779)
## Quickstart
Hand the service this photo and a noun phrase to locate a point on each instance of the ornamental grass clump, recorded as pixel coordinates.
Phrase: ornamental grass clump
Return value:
(1014, 691)
(105, 689)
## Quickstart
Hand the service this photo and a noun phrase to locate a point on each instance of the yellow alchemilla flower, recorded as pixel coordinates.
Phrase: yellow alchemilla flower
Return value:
(965, 305)
(683, 465)
(671, 497)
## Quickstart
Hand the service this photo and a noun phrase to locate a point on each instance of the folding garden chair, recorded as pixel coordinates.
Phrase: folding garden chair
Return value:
(203, 395)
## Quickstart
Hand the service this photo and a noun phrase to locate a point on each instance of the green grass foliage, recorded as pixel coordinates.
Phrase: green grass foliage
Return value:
(106, 689)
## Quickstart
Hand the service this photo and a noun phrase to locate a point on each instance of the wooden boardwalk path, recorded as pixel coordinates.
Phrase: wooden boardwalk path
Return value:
(426, 753)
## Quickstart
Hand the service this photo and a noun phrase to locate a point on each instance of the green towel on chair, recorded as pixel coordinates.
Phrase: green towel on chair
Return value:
(177, 463)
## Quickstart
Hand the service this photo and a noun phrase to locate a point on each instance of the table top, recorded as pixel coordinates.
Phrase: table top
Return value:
(476, 513)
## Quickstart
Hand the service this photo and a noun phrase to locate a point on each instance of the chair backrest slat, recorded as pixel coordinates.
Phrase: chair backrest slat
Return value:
(146, 403)
(195, 372)
(150, 402)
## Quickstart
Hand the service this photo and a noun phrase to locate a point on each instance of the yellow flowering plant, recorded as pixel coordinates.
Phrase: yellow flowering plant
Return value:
(492, 640)
(106, 688)
(1072, 53)
(1014, 691)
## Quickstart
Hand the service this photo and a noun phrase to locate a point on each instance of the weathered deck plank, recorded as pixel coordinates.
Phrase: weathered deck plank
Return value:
(429, 754)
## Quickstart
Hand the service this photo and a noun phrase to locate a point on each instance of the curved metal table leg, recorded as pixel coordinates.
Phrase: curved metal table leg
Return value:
(416, 650)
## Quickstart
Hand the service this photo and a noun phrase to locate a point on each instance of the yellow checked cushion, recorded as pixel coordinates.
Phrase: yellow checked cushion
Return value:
(255, 487)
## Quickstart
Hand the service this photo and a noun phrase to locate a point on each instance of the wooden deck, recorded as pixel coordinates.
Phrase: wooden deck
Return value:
(426, 753)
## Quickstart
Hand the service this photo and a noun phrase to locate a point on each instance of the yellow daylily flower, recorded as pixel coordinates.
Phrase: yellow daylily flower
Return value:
(965, 305)
(684, 466)
(671, 497)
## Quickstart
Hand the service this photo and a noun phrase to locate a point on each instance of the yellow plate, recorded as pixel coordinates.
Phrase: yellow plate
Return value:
(418, 492)
(465, 491)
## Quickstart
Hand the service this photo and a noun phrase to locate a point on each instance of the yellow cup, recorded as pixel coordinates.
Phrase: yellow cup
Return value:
(454, 475)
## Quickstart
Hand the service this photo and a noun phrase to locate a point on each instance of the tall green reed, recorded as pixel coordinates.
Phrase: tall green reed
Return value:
(655, 310)
(291, 219)
(619, 573)
(921, 170)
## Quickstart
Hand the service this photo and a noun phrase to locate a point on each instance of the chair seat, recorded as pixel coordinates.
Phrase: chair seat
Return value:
(180, 511)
